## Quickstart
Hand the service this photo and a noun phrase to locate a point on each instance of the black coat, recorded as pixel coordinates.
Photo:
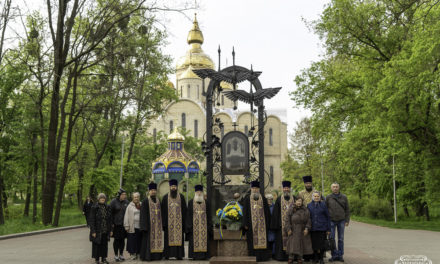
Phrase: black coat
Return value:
(95, 221)
(118, 211)
(87, 207)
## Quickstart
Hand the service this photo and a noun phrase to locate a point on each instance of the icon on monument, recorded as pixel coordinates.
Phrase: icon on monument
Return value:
(235, 153)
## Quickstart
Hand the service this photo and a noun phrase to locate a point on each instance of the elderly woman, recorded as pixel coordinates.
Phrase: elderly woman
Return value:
(131, 225)
(320, 226)
(297, 229)
(100, 222)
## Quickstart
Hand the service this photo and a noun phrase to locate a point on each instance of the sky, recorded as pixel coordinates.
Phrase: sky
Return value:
(270, 35)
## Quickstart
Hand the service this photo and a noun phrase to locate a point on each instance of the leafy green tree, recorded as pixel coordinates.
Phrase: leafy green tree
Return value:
(373, 96)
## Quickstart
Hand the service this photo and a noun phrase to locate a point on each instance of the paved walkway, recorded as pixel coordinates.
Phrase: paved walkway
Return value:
(365, 244)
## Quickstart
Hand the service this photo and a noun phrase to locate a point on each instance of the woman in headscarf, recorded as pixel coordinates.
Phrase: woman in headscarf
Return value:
(100, 222)
(297, 229)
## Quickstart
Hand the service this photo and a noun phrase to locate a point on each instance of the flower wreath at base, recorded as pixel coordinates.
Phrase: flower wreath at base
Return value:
(231, 213)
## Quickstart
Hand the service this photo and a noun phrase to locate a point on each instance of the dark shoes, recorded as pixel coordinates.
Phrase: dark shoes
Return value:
(333, 259)
(104, 261)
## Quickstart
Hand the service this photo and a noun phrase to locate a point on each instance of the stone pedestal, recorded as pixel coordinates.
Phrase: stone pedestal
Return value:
(230, 245)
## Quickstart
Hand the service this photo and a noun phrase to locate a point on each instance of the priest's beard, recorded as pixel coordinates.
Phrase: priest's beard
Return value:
(153, 197)
(256, 196)
(198, 198)
(173, 193)
(309, 189)
(287, 196)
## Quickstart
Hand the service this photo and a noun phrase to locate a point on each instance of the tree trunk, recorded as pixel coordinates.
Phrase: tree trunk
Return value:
(2, 216)
(28, 192)
(41, 119)
(61, 41)
(35, 192)
(67, 149)
(79, 192)
(52, 158)
(426, 211)
(4, 198)
(133, 134)
(405, 210)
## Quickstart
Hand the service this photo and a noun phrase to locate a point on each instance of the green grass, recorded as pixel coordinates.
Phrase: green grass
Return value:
(411, 223)
(16, 223)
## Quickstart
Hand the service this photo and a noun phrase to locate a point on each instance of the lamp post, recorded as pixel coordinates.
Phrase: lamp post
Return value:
(394, 192)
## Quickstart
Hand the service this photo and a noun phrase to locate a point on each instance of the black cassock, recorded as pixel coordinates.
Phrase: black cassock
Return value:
(189, 232)
(145, 227)
(275, 226)
(261, 254)
(174, 251)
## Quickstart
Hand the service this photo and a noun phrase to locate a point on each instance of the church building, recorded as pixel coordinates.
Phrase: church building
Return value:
(189, 111)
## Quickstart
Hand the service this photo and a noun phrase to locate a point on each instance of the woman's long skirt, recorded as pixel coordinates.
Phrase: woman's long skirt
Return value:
(101, 249)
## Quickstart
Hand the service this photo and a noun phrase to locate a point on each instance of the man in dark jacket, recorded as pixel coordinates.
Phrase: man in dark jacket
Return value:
(337, 204)
(118, 206)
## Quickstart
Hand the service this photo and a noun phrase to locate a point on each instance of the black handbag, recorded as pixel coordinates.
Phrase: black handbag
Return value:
(329, 243)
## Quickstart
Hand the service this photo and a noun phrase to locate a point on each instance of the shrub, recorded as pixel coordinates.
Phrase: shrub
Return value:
(375, 208)
(356, 205)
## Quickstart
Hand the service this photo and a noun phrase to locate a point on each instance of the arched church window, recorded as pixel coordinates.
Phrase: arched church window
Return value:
(198, 92)
(183, 120)
(246, 130)
(196, 128)
(223, 99)
(154, 135)
(270, 137)
(271, 176)
(171, 126)
(181, 91)
(188, 92)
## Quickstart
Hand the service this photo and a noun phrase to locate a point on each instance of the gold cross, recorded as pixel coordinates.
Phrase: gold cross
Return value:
(200, 211)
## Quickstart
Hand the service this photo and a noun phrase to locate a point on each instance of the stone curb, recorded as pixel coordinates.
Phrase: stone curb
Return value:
(39, 232)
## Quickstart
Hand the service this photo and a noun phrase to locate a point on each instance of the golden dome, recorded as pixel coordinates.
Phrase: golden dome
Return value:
(170, 84)
(195, 56)
(195, 35)
(176, 136)
(226, 85)
(188, 74)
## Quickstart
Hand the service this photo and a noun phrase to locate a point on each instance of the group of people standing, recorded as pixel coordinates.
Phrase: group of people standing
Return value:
(291, 229)
(302, 224)
(154, 229)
